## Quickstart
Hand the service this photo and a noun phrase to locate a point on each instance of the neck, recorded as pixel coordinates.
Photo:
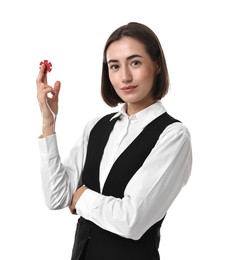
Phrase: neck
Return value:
(132, 109)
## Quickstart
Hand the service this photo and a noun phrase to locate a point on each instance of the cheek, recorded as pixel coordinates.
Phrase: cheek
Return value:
(147, 78)
(113, 80)
(151, 76)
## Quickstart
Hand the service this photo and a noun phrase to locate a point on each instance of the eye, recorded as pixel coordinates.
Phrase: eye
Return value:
(135, 63)
(114, 67)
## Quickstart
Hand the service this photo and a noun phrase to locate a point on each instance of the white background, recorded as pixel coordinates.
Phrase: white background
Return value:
(72, 34)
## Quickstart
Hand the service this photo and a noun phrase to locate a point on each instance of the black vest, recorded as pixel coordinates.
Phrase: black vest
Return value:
(93, 242)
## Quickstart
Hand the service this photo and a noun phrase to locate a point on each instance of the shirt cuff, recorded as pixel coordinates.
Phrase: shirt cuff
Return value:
(48, 146)
(88, 201)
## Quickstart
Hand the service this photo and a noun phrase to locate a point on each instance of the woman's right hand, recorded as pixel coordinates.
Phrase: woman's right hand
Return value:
(48, 104)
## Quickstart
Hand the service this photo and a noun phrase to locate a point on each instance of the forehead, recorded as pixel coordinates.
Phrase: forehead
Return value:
(125, 47)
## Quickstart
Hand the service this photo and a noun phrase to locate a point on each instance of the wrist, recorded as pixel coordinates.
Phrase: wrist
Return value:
(48, 130)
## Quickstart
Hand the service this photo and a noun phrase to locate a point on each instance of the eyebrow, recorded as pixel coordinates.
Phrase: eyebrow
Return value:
(128, 58)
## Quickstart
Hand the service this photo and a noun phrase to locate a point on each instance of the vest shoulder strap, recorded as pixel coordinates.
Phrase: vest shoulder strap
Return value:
(97, 141)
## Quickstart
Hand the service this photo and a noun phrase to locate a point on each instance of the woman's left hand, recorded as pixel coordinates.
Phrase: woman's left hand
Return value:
(76, 196)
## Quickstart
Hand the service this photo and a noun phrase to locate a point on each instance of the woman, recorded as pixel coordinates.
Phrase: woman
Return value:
(124, 173)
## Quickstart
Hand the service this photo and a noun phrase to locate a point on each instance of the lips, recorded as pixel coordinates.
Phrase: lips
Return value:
(128, 88)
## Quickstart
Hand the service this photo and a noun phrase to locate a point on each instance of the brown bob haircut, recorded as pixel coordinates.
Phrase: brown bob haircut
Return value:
(152, 46)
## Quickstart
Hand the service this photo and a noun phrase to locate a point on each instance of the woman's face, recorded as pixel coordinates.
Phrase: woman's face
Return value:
(132, 73)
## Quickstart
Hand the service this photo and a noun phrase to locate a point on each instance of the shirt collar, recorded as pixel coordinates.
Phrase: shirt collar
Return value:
(145, 116)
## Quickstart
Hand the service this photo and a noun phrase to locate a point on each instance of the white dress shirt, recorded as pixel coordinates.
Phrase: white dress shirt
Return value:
(149, 193)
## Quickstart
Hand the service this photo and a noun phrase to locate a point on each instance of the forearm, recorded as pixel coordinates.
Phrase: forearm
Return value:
(61, 180)
(135, 213)
(112, 214)
(58, 185)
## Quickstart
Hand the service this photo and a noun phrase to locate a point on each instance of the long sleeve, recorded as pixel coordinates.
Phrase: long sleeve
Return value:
(150, 192)
(60, 180)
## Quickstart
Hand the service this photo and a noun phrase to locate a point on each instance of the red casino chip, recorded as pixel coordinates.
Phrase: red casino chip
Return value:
(48, 65)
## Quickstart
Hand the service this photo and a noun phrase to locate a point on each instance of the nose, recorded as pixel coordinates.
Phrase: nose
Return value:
(126, 74)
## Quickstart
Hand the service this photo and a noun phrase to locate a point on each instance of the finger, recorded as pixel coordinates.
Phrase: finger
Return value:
(57, 87)
(55, 91)
(42, 94)
(42, 75)
(73, 210)
(49, 89)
